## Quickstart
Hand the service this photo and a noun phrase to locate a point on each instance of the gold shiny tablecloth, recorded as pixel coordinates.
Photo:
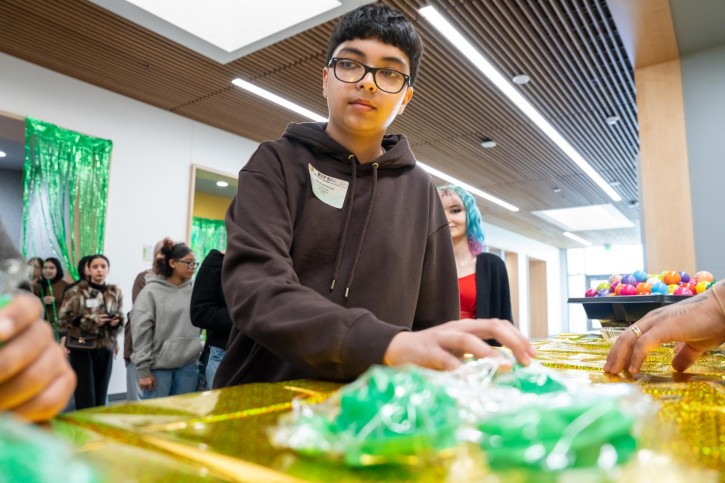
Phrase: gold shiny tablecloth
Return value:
(221, 435)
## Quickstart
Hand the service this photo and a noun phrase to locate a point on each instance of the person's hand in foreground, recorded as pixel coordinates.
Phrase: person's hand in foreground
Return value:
(698, 324)
(36, 380)
(443, 346)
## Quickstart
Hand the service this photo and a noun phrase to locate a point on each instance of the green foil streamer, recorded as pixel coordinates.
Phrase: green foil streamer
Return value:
(66, 182)
(206, 235)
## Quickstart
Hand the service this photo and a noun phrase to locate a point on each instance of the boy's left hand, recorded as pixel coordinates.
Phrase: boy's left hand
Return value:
(36, 381)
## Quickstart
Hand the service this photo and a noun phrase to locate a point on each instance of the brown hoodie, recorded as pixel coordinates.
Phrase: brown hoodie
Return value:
(388, 247)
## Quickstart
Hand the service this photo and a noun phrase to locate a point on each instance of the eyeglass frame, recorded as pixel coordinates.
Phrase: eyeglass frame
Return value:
(333, 65)
(188, 263)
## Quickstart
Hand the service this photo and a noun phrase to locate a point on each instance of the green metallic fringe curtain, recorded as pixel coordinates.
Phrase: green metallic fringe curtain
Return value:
(66, 192)
(207, 234)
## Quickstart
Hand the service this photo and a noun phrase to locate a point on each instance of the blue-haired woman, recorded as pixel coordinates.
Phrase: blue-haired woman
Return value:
(483, 281)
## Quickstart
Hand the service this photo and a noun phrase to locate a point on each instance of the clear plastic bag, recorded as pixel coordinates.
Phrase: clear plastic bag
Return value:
(523, 418)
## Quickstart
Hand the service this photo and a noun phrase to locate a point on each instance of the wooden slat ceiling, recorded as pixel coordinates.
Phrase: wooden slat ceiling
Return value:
(570, 48)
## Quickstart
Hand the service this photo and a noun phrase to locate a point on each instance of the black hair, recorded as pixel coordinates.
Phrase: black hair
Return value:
(82, 264)
(98, 255)
(58, 268)
(171, 251)
(383, 23)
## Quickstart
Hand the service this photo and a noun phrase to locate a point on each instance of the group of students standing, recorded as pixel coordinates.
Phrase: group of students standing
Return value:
(161, 345)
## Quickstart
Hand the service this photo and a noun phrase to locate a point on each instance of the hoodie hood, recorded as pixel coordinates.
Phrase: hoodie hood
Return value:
(397, 150)
(166, 283)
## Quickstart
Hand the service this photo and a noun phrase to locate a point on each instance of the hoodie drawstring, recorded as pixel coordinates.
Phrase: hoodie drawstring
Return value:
(348, 215)
(364, 231)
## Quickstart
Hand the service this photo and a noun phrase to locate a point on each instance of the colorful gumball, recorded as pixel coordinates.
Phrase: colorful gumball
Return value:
(671, 277)
(603, 286)
(618, 288)
(653, 280)
(613, 287)
(640, 275)
(672, 287)
(627, 289)
(701, 286)
(711, 283)
(692, 286)
(684, 277)
(615, 278)
(704, 276)
(603, 293)
(660, 288)
(629, 279)
(643, 288)
(682, 291)
(592, 292)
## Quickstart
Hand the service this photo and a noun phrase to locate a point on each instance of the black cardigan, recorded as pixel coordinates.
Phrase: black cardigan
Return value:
(493, 295)
(208, 307)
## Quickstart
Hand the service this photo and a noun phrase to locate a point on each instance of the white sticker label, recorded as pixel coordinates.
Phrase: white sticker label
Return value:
(328, 189)
(92, 303)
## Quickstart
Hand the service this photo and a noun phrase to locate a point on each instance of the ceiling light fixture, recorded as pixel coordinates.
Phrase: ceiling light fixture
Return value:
(468, 187)
(467, 49)
(612, 120)
(521, 79)
(316, 117)
(278, 100)
(577, 239)
(488, 143)
(2, 154)
(222, 184)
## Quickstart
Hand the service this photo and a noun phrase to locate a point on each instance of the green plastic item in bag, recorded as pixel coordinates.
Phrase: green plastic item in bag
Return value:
(30, 455)
(594, 432)
(390, 414)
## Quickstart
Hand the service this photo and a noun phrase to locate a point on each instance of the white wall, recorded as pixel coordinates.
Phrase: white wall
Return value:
(153, 151)
(555, 277)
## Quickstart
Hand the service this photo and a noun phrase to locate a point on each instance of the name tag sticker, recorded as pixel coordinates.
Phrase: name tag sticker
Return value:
(91, 303)
(329, 190)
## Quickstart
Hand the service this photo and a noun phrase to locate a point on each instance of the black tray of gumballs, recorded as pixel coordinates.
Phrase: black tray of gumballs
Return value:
(625, 299)
(623, 311)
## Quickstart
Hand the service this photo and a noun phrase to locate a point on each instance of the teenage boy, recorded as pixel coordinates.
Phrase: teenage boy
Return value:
(339, 254)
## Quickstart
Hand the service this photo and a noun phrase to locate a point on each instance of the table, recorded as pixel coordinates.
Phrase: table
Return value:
(221, 435)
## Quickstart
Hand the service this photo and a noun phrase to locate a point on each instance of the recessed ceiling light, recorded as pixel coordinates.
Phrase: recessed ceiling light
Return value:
(612, 120)
(513, 94)
(557, 190)
(225, 30)
(2, 154)
(577, 239)
(585, 218)
(521, 79)
(488, 143)
(222, 184)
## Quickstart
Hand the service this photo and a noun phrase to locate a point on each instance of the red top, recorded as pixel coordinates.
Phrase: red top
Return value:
(467, 289)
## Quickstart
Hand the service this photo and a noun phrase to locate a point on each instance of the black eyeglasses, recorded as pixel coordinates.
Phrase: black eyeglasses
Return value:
(351, 71)
(191, 264)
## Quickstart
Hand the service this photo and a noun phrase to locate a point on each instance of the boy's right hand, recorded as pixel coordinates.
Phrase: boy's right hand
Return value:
(443, 346)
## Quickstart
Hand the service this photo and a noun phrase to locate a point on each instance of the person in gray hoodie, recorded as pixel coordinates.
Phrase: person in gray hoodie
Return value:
(166, 346)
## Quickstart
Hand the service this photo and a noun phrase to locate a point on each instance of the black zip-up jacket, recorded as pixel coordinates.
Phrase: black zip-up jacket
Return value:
(208, 308)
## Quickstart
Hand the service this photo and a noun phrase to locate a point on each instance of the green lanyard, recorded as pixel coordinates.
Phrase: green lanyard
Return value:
(55, 311)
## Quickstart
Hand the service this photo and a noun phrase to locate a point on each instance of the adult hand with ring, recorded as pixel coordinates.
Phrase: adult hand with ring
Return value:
(698, 323)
